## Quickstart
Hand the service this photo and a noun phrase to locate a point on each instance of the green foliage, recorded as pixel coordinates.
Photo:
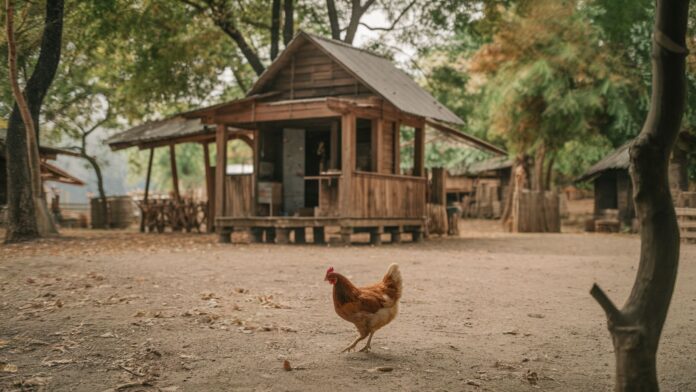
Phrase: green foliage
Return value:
(549, 80)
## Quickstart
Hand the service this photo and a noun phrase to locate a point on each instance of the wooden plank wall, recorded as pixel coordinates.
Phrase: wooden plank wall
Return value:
(240, 198)
(375, 195)
(311, 73)
(537, 212)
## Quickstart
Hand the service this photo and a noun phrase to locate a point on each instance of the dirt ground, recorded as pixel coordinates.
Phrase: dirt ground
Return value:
(96, 311)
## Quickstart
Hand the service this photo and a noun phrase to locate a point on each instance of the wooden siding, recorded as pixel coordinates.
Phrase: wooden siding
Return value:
(388, 148)
(376, 195)
(240, 200)
(687, 223)
(310, 74)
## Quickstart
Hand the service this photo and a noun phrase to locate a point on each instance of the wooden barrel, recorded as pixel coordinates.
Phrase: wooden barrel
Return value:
(97, 217)
(120, 212)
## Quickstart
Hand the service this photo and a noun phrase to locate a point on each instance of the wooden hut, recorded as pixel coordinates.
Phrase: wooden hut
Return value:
(613, 190)
(328, 121)
(481, 187)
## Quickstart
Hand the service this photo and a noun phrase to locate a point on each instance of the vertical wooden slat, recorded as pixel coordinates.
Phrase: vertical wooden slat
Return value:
(255, 178)
(419, 153)
(220, 169)
(175, 173)
(347, 164)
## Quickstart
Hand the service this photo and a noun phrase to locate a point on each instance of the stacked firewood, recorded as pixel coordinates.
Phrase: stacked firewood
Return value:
(176, 215)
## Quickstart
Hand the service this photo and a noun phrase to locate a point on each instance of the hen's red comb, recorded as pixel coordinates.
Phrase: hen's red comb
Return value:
(330, 270)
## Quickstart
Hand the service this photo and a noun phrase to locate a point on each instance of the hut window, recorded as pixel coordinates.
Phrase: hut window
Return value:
(240, 158)
(407, 150)
(363, 149)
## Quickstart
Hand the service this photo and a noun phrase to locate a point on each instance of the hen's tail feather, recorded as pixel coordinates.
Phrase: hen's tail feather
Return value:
(392, 279)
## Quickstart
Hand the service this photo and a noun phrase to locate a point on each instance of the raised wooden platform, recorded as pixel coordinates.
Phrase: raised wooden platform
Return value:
(277, 229)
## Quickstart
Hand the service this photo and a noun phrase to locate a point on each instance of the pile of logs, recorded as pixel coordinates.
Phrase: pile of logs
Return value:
(177, 215)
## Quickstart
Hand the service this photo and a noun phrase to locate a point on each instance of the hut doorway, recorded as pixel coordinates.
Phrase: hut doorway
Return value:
(294, 159)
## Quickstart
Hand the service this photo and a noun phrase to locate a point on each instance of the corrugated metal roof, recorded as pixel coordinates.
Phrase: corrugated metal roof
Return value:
(376, 72)
(619, 159)
(153, 131)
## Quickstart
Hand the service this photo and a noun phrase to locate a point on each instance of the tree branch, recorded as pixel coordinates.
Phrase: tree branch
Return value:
(333, 19)
(394, 22)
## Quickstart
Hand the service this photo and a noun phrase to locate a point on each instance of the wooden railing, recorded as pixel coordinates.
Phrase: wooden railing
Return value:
(376, 195)
(686, 218)
(240, 196)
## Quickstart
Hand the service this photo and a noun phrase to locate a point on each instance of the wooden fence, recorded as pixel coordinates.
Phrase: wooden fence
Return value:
(537, 212)
(686, 218)
(376, 195)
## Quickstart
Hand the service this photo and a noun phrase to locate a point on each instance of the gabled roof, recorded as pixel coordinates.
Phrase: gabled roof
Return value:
(375, 72)
(617, 160)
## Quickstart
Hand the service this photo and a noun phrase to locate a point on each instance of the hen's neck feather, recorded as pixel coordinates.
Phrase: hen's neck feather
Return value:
(344, 289)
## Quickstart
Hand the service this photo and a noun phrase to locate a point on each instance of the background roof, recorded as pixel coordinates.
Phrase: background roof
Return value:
(617, 160)
(168, 129)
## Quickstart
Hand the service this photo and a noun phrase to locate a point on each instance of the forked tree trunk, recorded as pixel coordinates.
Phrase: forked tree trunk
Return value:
(28, 215)
(637, 327)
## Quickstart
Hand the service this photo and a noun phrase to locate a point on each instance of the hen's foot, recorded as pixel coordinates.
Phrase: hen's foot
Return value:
(365, 349)
(348, 349)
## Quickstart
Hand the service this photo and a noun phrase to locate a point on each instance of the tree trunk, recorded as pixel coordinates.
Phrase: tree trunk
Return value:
(289, 25)
(549, 172)
(333, 19)
(506, 216)
(275, 28)
(100, 187)
(28, 215)
(538, 178)
(637, 327)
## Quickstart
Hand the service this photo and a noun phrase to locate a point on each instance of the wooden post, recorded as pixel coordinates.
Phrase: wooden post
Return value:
(377, 132)
(220, 170)
(347, 164)
(376, 236)
(175, 174)
(397, 147)
(209, 188)
(419, 152)
(333, 155)
(396, 234)
(144, 210)
(255, 176)
(319, 235)
(346, 234)
(300, 235)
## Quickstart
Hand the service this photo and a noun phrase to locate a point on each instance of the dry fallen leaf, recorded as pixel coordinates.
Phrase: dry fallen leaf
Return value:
(8, 368)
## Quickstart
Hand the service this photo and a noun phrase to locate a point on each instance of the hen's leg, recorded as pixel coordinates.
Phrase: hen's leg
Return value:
(355, 342)
(367, 347)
